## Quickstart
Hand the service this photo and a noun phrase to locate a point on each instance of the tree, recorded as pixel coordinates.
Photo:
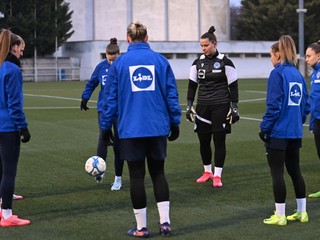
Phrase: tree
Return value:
(269, 19)
(39, 22)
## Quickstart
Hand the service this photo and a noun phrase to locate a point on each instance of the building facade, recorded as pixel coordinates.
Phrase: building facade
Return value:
(174, 30)
(166, 20)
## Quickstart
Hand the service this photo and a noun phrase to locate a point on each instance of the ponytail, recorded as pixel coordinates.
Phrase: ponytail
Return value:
(5, 44)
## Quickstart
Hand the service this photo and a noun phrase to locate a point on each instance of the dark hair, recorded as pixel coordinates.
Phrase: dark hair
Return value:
(137, 32)
(315, 46)
(5, 44)
(16, 40)
(210, 35)
(275, 47)
(113, 47)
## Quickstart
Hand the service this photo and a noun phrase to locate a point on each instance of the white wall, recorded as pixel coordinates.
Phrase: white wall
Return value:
(89, 54)
(174, 26)
(166, 20)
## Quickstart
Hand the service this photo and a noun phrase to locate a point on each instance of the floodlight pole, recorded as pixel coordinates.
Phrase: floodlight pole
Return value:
(35, 43)
(56, 39)
(301, 11)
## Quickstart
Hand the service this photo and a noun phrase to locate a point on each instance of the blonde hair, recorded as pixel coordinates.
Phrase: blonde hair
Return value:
(5, 44)
(288, 50)
(137, 32)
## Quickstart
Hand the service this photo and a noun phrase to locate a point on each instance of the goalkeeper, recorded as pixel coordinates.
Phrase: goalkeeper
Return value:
(215, 78)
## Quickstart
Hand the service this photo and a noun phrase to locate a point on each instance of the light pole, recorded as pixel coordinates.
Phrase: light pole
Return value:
(56, 38)
(35, 43)
(301, 11)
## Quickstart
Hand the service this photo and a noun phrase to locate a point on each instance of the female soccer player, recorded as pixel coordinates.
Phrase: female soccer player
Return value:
(313, 60)
(13, 127)
(144, 97)
(16, 51)
(215, 77)
(282, 130)
(99, 76)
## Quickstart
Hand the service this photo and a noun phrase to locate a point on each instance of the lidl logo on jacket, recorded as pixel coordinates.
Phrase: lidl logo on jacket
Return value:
(295, 94)
(142, 78)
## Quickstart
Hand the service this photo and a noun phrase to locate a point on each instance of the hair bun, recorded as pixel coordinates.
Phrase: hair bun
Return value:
(211, 29)
(113, 41)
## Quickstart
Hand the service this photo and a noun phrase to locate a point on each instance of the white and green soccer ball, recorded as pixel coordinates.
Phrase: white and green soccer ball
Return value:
(95, 166)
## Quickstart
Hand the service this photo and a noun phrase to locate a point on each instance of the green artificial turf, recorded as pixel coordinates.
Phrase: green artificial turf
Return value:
(63, 202)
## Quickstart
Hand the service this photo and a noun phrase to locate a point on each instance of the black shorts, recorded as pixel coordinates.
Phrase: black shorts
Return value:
(212, 118)
(284, 143)
(137, 149)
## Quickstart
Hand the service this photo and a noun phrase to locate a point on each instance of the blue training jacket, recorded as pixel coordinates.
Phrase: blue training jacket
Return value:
(287, 103)
(12, 118)
(99, 75)
(143, 94)
(315, 95)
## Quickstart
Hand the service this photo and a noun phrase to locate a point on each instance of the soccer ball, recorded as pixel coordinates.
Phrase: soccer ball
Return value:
(95, 166)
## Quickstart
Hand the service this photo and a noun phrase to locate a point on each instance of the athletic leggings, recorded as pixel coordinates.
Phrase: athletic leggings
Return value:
(137, 188)
(316, 134)
(219, 140)
(102, 149)
(290, 158)
(9, 156)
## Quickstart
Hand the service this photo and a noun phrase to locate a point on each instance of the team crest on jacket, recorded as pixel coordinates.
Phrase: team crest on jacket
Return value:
(142, 78)
(295, 94)
(216, 65)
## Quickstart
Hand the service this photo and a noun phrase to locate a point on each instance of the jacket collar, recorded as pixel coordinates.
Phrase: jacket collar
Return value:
(12, 58)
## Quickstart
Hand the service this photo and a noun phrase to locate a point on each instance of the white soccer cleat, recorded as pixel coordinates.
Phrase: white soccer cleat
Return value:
(116, 185)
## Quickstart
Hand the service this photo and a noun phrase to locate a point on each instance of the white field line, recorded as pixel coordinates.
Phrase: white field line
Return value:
(93, 101)
(56, 97)
(255, 91)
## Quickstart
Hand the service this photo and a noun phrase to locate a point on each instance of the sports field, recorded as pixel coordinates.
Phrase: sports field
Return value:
(63, 202)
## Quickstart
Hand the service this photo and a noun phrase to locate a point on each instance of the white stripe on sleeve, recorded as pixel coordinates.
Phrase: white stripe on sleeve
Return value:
(193, 74)
(231, 74)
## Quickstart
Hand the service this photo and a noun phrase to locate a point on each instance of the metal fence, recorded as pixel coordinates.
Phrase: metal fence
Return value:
(43, 74)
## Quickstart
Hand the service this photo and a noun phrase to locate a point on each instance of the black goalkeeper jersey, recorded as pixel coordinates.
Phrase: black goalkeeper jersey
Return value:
(216, 80)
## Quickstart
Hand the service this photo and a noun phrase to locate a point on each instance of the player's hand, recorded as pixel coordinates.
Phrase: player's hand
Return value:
(174, 133)
(264, 136)
(83, 105)
(191, 114)
(107, 136)
(25, 135)
(233, 114)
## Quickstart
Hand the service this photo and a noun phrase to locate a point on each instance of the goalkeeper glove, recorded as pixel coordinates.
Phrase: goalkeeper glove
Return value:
(191, 113)
(233, 114)
(83, 104)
